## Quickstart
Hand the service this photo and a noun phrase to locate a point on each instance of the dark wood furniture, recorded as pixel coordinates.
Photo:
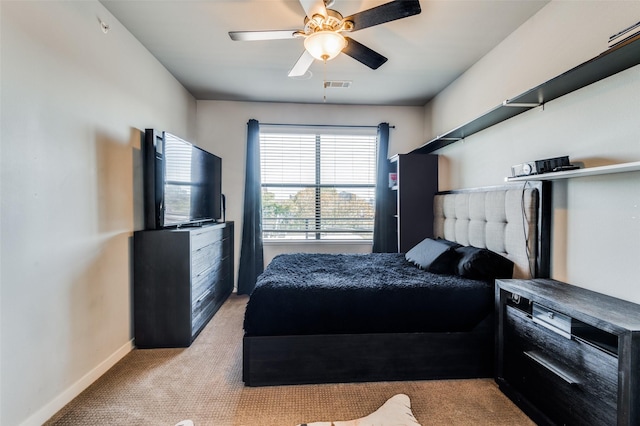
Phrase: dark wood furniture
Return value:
(347, 358)
(302, 359)
(181, 277)
(417, 183)
(610, 62)
(568, 355)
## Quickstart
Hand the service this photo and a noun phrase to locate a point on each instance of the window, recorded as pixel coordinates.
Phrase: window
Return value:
(317, 183)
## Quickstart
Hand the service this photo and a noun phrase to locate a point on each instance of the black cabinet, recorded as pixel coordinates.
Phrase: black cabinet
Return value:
(567, 355)
(181, 278)
(417, 183)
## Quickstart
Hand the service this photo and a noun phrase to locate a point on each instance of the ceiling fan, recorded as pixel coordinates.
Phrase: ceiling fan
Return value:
(323, 28)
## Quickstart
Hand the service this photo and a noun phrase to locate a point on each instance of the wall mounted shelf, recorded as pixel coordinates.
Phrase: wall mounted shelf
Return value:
(615, 60)
(589, 171)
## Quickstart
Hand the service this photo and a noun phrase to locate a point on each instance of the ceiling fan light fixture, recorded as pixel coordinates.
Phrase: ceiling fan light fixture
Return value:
(325, 45)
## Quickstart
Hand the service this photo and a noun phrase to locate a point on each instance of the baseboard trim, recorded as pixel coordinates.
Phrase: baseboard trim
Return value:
(55, 405)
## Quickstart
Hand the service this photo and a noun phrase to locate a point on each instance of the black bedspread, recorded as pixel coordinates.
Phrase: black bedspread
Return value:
(361, 293)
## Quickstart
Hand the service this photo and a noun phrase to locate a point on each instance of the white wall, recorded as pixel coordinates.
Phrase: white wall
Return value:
(596, 229)
(222, 129)
(73, 102)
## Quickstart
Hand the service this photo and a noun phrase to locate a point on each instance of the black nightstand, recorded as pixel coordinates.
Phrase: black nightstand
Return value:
(567, 355)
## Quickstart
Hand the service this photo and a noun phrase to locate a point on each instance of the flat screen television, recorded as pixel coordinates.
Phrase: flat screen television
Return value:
(182, 183)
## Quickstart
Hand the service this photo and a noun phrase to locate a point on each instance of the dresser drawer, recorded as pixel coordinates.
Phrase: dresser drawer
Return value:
(208, 279)
(204, 257)
(571, 381)
(202, 309)
(204, 237)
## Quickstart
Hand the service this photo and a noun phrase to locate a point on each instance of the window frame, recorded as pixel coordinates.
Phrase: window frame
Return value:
(320, 235)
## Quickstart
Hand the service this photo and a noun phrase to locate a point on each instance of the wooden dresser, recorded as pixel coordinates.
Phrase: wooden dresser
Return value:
(181, 278)
(566, 355)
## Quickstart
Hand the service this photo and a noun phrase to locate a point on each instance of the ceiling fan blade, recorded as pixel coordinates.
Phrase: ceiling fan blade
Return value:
(363, 54)
(261, 35)
(303, 64)
(314, 7)
(384, 13)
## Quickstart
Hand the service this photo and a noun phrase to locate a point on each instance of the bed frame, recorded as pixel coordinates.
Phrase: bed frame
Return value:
(346, 358)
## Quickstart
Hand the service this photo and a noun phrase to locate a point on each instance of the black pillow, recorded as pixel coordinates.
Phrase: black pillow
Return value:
(434, 256)
(482, 264)
(449, 243)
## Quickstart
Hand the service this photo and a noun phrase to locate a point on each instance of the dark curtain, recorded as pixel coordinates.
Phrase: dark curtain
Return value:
(384, 225)
(251, 255)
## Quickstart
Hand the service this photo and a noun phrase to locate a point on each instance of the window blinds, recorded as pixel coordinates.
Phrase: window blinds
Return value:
(318, 183)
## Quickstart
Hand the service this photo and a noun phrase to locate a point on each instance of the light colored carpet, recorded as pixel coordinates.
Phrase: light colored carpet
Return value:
(203, 383)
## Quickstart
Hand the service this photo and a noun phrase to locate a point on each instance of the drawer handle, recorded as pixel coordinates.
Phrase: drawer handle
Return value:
(553, 368)
(203, 296)
(551, 327)
(205, 272)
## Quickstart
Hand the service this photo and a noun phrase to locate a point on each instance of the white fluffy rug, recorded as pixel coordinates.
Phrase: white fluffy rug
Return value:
(395, 412)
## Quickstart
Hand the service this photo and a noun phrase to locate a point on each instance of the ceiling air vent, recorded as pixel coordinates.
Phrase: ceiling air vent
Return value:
(337, 84)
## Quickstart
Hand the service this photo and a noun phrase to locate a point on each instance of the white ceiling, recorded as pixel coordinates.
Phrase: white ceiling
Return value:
(426, 52)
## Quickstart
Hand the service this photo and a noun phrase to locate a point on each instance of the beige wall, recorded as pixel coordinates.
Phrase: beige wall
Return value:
(222, 129)
(73, 101)
(596, 228)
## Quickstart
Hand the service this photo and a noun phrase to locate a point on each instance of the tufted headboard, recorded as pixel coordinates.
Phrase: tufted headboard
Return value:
(512, 220)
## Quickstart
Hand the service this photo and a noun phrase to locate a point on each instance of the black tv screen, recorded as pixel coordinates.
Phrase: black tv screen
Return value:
(182, 182)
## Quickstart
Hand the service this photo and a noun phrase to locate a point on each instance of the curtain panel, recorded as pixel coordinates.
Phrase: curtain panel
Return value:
(384, 225)
(251, 263)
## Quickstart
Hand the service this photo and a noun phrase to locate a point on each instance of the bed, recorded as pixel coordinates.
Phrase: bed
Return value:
(378, 317)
